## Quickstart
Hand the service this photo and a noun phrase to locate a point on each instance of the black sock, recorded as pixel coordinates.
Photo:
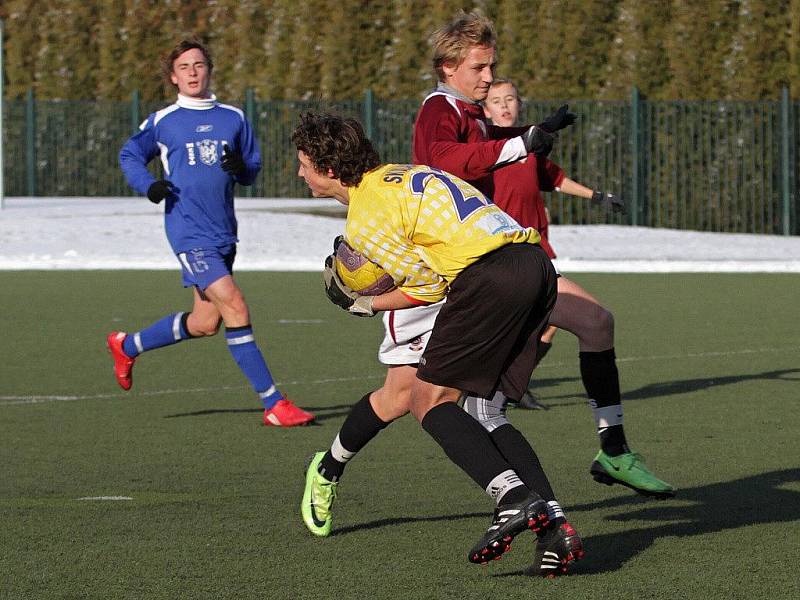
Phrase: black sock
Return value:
(360, 426)
(466, 443)
(612, 440)
(542, 348)
(522, 458)
(514, 495)
(601, 381)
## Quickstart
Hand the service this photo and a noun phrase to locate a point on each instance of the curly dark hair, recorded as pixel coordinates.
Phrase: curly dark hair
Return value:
(336, 143)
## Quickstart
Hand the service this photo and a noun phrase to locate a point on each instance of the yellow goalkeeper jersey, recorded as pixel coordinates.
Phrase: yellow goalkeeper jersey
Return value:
(425, 226)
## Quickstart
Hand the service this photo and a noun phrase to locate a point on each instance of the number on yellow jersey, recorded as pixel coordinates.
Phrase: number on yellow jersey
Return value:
(464, 206)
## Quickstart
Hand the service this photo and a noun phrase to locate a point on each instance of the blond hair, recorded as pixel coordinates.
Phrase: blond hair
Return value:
(452, 42)
(502, 81)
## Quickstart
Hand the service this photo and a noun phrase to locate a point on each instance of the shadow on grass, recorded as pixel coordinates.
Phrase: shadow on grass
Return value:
(322, 413)
(401, 520)
(730, 505)
(694, 385)
(756, 500)
(668, 388)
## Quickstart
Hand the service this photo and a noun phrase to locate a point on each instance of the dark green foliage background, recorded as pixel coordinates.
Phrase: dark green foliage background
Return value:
(710, 373)
(283, 49)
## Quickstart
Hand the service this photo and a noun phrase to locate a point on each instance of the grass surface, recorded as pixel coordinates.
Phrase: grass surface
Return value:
(710, 369)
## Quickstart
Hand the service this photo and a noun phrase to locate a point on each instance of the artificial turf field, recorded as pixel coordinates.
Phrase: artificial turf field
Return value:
(710, 371)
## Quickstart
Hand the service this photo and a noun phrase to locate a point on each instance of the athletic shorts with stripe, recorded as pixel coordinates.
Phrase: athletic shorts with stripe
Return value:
(406, 333)
(493, 309)
(203, 266)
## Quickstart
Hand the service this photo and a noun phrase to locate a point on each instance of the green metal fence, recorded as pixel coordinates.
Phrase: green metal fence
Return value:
(707, 166)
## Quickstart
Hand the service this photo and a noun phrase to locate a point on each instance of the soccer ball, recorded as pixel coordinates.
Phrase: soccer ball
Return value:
(359, 273)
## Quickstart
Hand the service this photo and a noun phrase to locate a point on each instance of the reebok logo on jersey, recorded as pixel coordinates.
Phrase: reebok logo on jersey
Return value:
(204, 128)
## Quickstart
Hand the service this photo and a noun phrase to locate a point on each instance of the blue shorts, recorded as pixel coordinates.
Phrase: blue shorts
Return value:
(203, 266)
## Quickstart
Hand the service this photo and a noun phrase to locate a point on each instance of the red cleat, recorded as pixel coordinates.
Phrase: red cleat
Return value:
(123, 364)
(286, 414)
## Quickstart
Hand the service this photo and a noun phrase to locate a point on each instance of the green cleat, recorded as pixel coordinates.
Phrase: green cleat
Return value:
(629, 470)
(318, 498)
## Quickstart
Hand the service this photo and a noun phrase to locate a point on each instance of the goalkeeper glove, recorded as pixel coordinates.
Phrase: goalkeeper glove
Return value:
(232, 161)
(159, 190)
(539, 138)
(558, 120)
(609, 201)
(538, 141)
(343, 296)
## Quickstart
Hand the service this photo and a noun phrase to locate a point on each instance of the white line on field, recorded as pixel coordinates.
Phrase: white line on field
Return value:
(106, 498)
(14, 400)
(301, 321)
(33, 399)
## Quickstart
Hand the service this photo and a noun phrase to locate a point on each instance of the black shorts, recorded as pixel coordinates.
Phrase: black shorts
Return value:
(493, 307)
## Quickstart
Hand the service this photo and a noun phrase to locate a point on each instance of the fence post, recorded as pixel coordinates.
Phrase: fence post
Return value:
(635, 204)
(30, 142)
(2, 70)
(249, 106)
(250, 115)
(369, 107)
(135, 111)
(786, 134)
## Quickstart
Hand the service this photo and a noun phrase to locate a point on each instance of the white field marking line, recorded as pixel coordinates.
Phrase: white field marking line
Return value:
(16, 400)
(300, 321)
(106, 498)
(744, 351)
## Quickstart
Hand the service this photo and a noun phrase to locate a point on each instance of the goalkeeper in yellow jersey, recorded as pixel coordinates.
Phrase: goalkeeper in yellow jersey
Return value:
(439, 236)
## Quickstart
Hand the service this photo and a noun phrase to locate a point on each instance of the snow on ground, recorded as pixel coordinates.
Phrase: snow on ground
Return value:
(296, 235)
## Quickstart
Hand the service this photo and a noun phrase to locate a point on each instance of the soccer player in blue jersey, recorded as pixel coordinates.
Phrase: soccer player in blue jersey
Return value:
(205, 149)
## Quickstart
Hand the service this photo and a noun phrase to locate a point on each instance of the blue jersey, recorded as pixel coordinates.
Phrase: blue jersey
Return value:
(188, 136)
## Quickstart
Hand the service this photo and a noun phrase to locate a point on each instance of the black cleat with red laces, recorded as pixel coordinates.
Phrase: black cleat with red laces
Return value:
(508, 521)
(558, 546)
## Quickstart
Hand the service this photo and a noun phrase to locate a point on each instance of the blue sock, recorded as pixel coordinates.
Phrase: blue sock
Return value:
(242, 345)
(169, 330)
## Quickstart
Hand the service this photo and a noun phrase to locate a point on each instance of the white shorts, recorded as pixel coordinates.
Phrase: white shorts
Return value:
(406, 333)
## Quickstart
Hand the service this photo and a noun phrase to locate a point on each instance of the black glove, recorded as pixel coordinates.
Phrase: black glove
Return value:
(609, 201)
(558, 120)
(343, 296)
(232, 161)
(159, 190)
(538, 141)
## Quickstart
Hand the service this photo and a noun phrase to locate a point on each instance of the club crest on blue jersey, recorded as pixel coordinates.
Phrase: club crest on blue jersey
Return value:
(208, 151)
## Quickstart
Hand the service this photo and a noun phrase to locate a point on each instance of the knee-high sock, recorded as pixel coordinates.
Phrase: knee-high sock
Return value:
(243, 348)
(542, 348)
(360, 426)
(523, 459)
(601, 380)
(468, 445)
(491, 414)
(164, 332)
